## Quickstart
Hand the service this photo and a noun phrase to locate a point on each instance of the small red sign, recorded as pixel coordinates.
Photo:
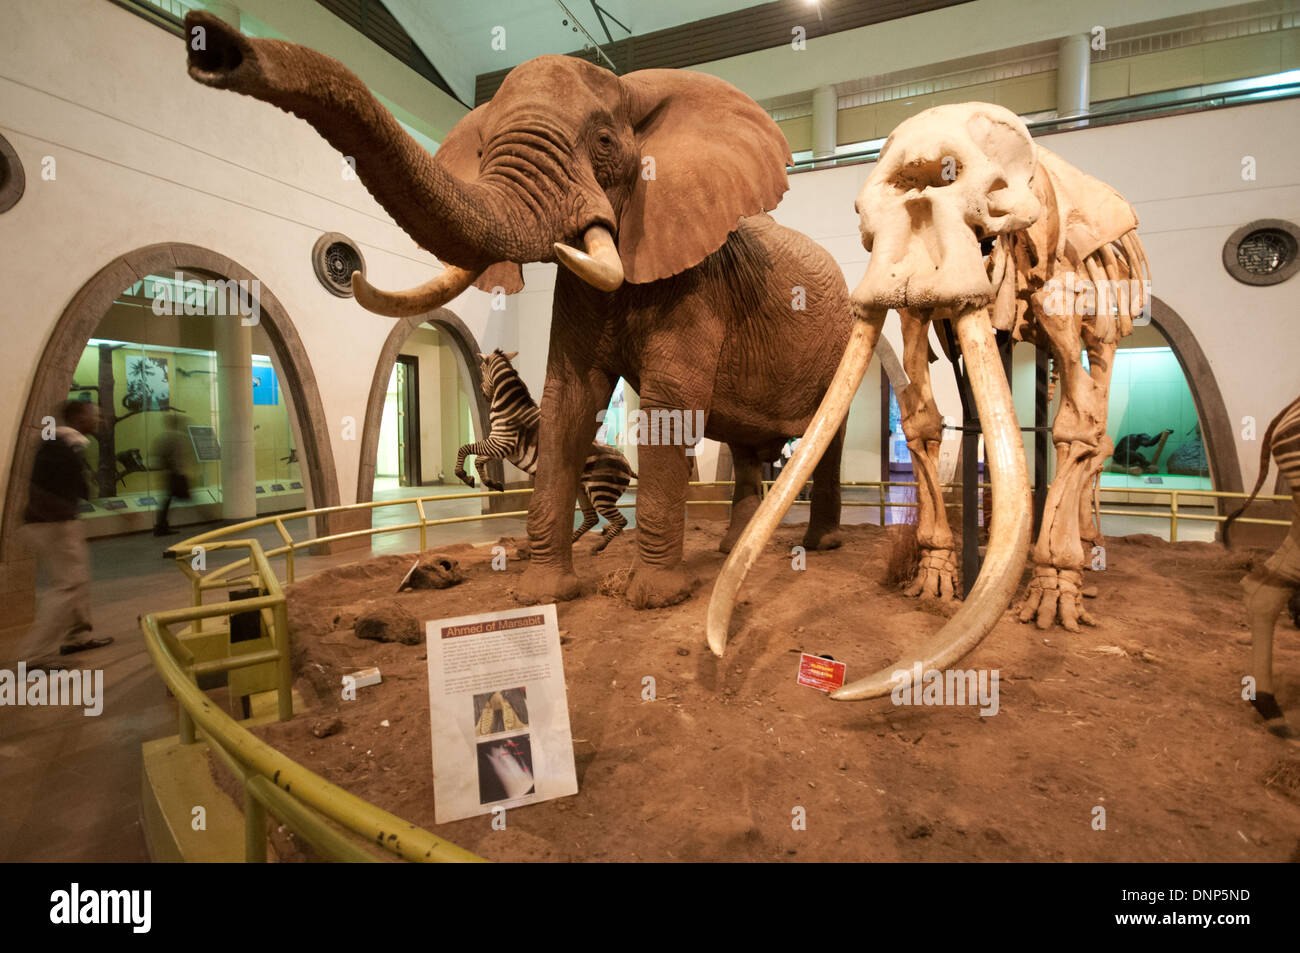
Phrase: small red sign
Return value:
(823, 674)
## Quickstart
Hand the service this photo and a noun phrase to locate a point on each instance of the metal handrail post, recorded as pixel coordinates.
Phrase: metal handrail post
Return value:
(284, 667)
(1173, 516)
(254, 829)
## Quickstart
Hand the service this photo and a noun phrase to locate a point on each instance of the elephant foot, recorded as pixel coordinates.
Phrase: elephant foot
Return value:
(936, 576)
(545, 584)
(822, 537)
(653, 588)
(741, 513)
(1055, 595)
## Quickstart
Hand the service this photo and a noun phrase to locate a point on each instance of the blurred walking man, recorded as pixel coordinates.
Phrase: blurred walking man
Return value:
(59, 540)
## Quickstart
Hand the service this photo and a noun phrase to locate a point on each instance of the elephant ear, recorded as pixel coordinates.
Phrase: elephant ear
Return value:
(710, 156)
(459, 155)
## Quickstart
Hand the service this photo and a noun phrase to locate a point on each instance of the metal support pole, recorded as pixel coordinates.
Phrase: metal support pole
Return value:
(1041, 436)
(254, 830)
(284, 667)
(970, 442)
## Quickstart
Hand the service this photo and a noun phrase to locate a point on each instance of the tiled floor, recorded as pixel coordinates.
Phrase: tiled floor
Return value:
(71, 783)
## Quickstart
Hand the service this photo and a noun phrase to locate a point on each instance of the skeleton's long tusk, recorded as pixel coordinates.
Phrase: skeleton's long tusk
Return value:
(434, 293)
(599, 266)
(834, 407)
(1012, 518)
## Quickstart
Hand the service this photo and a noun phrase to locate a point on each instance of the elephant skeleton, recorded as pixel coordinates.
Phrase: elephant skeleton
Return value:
(948, 179)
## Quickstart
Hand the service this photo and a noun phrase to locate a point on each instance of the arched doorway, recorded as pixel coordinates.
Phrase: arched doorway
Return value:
(1216, 427)
(1163, 395)
(67, 344)
(451, 329)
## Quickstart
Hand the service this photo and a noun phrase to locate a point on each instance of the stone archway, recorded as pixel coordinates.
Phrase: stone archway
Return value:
(54, 375)
(467, 348)
(1216, 427)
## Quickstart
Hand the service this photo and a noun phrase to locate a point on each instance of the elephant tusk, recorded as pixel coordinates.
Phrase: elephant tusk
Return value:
(433, 294)
(599, 266)
(830, 415)
(1012, 517)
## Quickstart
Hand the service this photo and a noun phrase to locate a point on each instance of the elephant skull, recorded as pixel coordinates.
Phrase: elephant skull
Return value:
(946, 179)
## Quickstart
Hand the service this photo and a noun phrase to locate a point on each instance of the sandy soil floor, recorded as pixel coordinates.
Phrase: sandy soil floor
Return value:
(1141, 716)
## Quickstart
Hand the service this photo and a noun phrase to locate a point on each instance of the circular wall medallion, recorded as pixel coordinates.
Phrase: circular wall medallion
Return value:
(334, 257)
(12, 178)
(1263, 252)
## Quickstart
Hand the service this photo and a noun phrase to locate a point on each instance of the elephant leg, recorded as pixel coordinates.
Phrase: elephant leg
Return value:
(567, 427)
(746, 496)
(937, 573)
(677, 380)
(1055, 592)
(659, 576)
(824, 518)
(589, 517)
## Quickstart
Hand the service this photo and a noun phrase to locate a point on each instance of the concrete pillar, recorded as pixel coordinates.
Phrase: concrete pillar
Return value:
(234, 343)
(825, 108)
(1073, 60)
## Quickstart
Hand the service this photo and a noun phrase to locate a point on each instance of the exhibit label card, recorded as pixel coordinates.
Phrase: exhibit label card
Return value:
(825, 675)
(500, 712)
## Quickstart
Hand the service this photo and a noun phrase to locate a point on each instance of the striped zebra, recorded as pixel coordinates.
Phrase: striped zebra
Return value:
(1271, 586)
(1282, 441)
(514, 417)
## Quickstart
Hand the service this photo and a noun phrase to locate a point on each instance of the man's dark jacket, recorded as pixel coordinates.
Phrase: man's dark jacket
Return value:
(58, 481)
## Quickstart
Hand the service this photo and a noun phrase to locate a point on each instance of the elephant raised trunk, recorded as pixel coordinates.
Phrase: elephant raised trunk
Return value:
(469, 224)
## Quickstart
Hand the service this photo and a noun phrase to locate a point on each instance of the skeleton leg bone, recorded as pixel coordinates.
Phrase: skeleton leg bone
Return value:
(923, 427)
(1055, 593)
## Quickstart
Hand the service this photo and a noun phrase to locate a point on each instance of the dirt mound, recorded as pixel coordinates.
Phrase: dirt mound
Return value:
(1141, 716)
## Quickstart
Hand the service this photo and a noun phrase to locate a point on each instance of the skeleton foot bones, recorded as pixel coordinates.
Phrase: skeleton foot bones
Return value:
(1055, 593)
(936, 576)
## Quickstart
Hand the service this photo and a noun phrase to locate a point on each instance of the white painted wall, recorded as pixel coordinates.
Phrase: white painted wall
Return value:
(142, 154)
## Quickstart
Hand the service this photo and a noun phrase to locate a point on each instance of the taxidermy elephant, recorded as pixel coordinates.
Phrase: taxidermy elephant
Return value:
(682, 285)
(1271, 586)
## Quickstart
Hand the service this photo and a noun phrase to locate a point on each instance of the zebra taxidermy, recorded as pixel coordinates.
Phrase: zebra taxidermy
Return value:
(1272, 586)
(514, 416)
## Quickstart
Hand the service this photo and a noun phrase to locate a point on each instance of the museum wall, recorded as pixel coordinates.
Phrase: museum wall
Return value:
(1238, 57)
(1183, 174)
(142, 155)
(967, 29)
(138, 159)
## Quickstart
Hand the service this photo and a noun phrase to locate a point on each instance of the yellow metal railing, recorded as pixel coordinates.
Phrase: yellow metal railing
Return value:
(324, 815)
(334, 822)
